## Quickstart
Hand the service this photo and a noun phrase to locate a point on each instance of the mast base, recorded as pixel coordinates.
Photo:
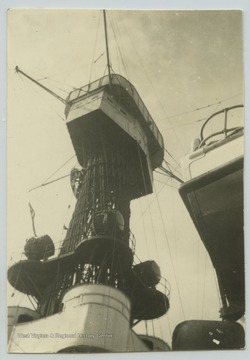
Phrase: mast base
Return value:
(93, 317)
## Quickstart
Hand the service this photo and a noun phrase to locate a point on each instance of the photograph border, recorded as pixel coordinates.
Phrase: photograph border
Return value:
(243, 5)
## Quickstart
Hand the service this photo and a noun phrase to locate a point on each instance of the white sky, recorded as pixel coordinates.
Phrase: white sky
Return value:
(178, 61)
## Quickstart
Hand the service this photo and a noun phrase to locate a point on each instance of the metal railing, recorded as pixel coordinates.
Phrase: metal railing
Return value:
(226, 131)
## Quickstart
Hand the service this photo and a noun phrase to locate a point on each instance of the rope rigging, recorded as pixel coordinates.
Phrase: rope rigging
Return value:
(120, 50)
(170, 174)
(94, 51)
(42, 86)
(171, 257)
(204, 107)
(47, 182)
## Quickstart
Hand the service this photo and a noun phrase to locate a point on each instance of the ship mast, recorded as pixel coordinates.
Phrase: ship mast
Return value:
(107, 47)
(117, 162)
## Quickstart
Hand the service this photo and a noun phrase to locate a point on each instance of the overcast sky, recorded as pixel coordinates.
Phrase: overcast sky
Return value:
(178, 61)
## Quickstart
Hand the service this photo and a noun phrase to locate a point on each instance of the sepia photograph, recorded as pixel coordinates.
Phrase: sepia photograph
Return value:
(125, 166)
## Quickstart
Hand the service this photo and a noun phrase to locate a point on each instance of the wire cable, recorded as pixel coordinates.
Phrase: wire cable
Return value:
(171, 258)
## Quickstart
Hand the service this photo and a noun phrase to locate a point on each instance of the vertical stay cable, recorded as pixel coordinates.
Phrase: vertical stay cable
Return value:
(165, 184)
(152, 86)
(119, 47)
(93, 62)
(148, 207)
(171, 258)
(144, 228)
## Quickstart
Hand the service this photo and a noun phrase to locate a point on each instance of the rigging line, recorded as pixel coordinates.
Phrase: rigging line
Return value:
(167, 164)
(48, 183)
(144, 227)
(20, 77)
(125, 30)
(34, 285)
(174, 168)
(165, 171)
(136, 256)
(119, 48)
(43, 100)
(41, 79)
(98, 58)
(145, 188)
(169, 167)
(149, 208)
(171, 174)
(136, 322)
(105, 71)
(204, 107)
(42, 86)
(152, 201)
(65, 91)
(165, 149)
(93, 62)
(193, 122)
(62, 83)
(59, 88)
(60, 167)
(161, 182)
(154, 198)
(194, 110)
(60, 117)
(150, 82)
(170, 255)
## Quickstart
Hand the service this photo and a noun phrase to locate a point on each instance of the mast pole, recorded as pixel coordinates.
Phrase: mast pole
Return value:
(42, 86)
(107, 48)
